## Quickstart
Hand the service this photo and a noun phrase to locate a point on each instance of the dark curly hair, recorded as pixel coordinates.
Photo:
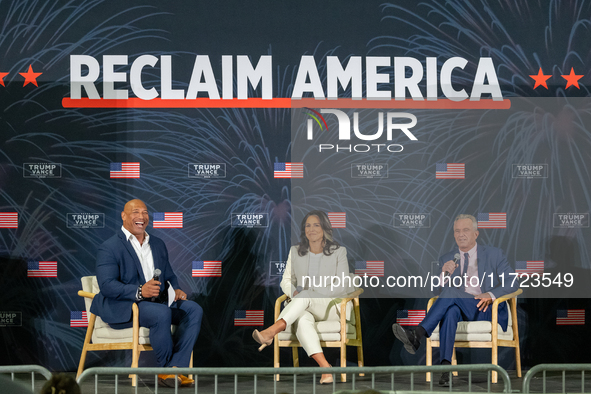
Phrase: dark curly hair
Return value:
(61, 384)
(330, 245)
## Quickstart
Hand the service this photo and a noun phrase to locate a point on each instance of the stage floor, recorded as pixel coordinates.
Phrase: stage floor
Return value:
(265, 384)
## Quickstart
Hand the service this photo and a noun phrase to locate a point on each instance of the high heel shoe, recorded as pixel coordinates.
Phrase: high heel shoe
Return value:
(326, 380)
(256, 335)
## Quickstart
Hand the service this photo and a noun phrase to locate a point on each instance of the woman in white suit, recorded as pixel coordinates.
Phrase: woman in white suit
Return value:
(307, 281)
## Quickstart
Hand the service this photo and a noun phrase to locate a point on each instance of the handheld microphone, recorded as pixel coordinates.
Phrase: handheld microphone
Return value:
(157, 273)
(456, 259)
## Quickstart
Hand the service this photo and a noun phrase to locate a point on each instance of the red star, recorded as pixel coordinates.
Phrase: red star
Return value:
(30, 76)
(2, 75)
(540, 79)
(572, 79)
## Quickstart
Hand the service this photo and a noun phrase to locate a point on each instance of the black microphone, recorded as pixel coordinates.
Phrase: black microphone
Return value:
(157, 273)
(456, 259)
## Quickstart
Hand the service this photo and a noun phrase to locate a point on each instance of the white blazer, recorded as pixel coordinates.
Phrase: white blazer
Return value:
(333, 266)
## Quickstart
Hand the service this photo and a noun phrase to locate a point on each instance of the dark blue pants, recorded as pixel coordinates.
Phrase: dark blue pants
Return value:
(452, 306)
(172, 350)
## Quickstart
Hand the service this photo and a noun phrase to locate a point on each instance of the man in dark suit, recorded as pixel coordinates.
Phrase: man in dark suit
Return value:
(125, 268)
(461, 295)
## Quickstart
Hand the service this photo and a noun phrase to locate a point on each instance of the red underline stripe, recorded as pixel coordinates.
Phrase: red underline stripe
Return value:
(280, 102)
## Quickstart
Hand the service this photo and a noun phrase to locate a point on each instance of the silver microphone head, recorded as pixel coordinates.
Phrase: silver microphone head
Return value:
(157, 271)
(456, 259)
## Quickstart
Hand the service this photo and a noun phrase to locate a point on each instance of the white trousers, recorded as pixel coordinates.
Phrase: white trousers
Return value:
(303, 311)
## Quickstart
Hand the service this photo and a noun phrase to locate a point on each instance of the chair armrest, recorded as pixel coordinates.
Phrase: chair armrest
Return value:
(507, 296)
(86, 294)
(352, 295)
(135, 313)
(495, 309)
(278, 305)
(430, 303)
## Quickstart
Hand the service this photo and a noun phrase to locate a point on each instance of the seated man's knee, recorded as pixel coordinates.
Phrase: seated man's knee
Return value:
(164, 316)
(154, 314)
(194, 310)
(454, 312)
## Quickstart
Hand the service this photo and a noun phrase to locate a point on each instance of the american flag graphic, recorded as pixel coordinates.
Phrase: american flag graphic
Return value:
(8, 219)
(288, 170)
(338, 219)
(78, 319)
(206, 268)
(492, 220)
(411, 317)
(570, 317)
(371, 268)
(167, 220)
(42, 269)
(248, 318)
(526, 268)
(450, 171)
(125, 170)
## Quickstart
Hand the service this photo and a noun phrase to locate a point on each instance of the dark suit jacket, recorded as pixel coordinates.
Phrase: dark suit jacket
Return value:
(119, 273)
(490, 260)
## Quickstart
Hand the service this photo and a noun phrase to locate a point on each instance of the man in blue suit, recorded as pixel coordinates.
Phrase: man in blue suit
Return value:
(461, 295)
(125, 268)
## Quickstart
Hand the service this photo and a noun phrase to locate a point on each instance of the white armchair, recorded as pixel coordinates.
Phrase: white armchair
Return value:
(100, 336)
(343, 333)
(483, 334)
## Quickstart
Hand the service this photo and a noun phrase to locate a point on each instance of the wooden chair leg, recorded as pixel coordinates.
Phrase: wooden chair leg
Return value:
(454, 361)
(87, 338)
(296, 356)
(360, 358)
(343, 361)
(82, 360)
(429, 358)
(191, 365)
(135, 357)
(518, 359)
(495, 359)
(276, 362)
(513, 305)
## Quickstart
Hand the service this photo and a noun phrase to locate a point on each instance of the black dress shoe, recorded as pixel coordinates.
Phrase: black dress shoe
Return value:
(444, 379)
(407, 337)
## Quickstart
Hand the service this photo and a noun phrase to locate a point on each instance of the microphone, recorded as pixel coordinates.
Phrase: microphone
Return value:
(456, 259)
(157, 273)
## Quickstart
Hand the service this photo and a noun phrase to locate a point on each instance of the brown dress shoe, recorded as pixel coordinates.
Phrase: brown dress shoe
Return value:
(168, 380)
(186, 381)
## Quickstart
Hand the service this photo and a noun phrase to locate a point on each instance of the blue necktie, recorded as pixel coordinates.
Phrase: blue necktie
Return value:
(466, 262)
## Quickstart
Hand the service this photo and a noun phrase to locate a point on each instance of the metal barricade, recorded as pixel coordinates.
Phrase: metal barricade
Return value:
(555, 367)
(12, 369)
(307, 371)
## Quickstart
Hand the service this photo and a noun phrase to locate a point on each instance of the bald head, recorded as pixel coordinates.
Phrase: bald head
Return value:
(135, 218)
(133, 203)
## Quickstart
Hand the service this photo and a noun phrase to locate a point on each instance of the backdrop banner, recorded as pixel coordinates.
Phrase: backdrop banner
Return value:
(233, 120)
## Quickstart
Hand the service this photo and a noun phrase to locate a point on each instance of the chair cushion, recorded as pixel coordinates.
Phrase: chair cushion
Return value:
(103, 333)
(327, 336)
(106, 334)
(478, 331)
(327, 331)
(483, 337)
